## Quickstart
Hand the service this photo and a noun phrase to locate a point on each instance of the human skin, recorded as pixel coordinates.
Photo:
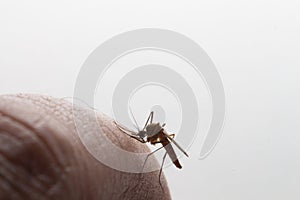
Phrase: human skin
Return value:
(41, 156)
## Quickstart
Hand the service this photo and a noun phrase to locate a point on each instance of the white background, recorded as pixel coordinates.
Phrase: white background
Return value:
(254, 44)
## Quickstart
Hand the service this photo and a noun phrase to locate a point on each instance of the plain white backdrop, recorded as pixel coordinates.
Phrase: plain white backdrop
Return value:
(255, 46)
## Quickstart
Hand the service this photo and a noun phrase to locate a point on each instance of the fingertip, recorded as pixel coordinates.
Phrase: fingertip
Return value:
(76, 174)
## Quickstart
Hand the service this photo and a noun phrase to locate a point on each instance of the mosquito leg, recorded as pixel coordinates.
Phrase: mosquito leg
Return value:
(150, 155)
(137, 126)
(137, 138)
(150, 117)
(162, 164)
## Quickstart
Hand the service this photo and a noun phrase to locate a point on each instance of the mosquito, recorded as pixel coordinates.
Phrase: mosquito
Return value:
(154, 133)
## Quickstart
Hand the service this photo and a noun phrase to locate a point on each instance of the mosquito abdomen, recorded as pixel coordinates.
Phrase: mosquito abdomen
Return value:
(171, 153)
(177, 164)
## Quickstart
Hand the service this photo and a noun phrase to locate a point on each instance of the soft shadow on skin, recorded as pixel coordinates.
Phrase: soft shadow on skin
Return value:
(41, 156)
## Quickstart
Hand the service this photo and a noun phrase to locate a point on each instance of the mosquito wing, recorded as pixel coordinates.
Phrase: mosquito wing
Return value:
(177, 145)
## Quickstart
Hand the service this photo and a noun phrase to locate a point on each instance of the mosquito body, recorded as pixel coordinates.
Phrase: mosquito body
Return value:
(155, 133)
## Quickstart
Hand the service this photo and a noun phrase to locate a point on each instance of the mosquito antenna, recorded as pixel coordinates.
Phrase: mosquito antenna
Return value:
(137, 126)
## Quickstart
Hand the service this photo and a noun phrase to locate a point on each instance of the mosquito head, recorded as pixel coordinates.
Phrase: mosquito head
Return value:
(142, 134)
(153, 129)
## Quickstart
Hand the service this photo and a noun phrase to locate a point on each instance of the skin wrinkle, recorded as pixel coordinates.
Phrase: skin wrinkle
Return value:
(24, 140)
(39, 136)
(5, 188)
(25, 191)
(38, 130)
(10, 177)
(85, 177)
(10, 187)
(62, 166)
(15, 143)
(7, 167)
(25, 173)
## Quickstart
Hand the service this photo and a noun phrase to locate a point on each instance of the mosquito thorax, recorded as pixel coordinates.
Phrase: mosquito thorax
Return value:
(153, 129)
